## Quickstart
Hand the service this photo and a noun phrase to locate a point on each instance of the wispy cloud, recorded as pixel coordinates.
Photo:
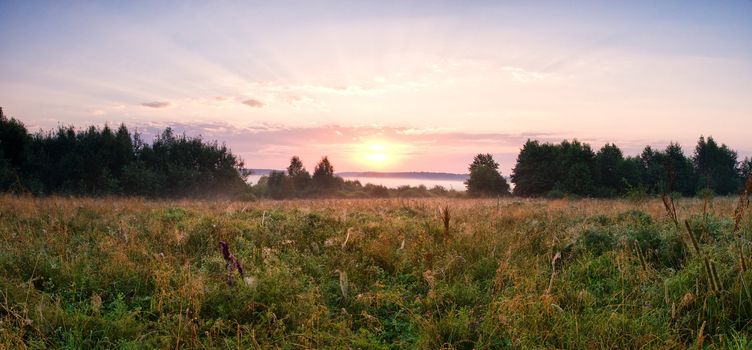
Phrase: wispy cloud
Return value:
(253, 103)
(157, 104)
(271, 146)
(525, 76)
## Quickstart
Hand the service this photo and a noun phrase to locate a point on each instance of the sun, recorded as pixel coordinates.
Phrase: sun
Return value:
(376, 154)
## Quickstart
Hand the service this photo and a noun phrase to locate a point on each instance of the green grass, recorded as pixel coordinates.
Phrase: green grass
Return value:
(131, 274)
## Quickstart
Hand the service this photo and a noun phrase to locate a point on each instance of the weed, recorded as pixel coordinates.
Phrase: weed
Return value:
(374, 274)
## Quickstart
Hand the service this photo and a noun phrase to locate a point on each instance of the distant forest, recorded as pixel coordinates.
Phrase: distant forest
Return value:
(105, 161)
(573, 168)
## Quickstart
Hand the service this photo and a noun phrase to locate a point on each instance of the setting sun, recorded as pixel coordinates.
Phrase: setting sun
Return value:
(376, 154)
(376, 174)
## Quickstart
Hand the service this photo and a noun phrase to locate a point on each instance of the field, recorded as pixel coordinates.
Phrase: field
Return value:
(373, 274)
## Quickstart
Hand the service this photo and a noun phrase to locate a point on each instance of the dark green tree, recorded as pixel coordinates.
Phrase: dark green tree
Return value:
(278, 185)
(378, 191)
(652, 170)
(575, 167)
(14, 146)
(102, 161)
(534, 173)
(298, 174)
(485, 179)
(568, 167)
(716, 167)
(323, 175)
(578, 180)
(677, 165)
(745, 169)
(609, 168)
(14, 140)
(630, 171)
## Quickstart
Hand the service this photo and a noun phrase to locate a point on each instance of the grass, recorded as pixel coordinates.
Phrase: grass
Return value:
(372, 274)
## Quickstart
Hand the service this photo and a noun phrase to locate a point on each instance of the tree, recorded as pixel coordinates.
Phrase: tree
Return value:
(485, 178)
(716, 166)
(631, 177)
(575, 165)
(609, 171)
(680, 167)
(296, 167)
(533, 174)
(745, 169)
(323, 175)
(103, 161)
(378, 191)
(578, 180)
(568, 167)
(14, 140)
(278, 185)
(652, 170)
(14, 144)
(298, 173)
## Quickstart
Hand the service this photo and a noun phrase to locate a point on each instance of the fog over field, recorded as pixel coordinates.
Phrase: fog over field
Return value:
(321, 174)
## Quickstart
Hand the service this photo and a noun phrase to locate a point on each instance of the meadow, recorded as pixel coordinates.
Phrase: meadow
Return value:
(374, 274)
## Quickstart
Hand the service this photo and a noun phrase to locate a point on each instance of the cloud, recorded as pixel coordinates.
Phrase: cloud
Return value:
(524, 76)
(253, 103)
(428, 149)
(157, 104)
(418, 149)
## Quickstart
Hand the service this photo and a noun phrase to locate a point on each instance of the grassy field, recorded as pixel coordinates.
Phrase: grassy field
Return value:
(373, 274)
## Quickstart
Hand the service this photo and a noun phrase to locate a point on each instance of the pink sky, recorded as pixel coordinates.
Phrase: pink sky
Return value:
(392, 87)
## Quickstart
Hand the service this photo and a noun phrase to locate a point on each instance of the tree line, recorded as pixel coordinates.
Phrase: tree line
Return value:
(297, 182)
(573, 168)
(106, 161)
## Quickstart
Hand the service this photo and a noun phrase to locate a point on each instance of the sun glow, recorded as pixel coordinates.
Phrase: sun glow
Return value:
(376, 154)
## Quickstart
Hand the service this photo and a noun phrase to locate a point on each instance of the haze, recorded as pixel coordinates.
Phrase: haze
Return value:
(392, 86)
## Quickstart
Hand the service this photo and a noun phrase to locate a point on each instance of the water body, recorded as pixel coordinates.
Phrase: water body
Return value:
(394, 182)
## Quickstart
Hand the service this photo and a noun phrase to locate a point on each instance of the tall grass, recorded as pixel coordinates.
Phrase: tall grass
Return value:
(373, 274)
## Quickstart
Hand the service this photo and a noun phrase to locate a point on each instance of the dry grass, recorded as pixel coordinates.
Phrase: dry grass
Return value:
(392, 273)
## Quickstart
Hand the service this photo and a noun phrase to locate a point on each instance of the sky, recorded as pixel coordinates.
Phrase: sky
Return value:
(385, 85)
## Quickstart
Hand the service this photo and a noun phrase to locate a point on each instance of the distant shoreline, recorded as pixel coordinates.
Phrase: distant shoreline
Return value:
(376, 174)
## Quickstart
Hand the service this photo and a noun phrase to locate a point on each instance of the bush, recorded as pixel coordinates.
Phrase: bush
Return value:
(597, 242)
(659, 250)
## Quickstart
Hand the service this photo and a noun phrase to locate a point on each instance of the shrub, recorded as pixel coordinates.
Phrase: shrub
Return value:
(661, 251)
(597, 242)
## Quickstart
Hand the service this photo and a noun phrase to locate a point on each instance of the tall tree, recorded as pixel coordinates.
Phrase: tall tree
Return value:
(745, 169)
(14, 146)
(485, 178)
(323, 175)
(278, 185)
(534, 173)
(716, 166)
(608, 170)
(103, 161)
(677, 165)
(631, 176)
(14, 140)
(298, 173)
(652, 169)
(575, 166)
